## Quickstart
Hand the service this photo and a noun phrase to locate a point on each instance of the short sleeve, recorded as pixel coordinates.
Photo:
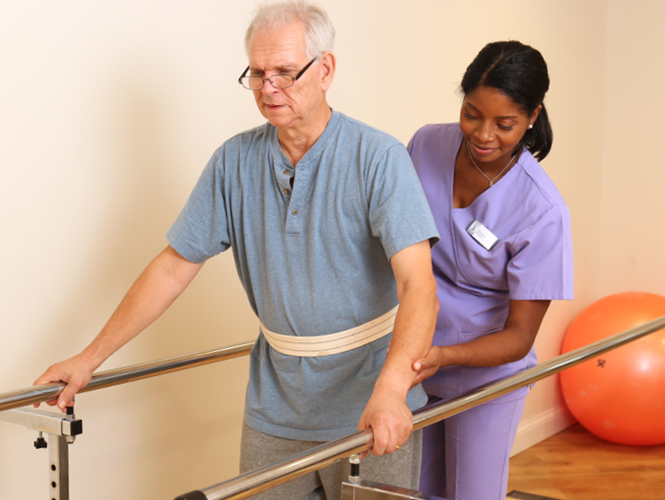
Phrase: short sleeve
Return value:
(201, 229)
(399, 214)
(541, 267)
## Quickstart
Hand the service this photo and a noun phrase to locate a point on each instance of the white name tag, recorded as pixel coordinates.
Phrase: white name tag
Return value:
(482, 235)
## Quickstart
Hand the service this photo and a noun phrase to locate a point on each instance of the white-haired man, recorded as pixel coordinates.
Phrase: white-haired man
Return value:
(330, 230)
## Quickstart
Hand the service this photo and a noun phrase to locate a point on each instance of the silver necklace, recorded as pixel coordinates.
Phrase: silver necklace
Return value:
(483, 173)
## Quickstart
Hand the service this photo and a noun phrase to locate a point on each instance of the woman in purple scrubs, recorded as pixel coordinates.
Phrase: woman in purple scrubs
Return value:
(505, 253)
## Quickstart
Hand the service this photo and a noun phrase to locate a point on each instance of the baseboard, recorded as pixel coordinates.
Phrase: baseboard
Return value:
(533, 431)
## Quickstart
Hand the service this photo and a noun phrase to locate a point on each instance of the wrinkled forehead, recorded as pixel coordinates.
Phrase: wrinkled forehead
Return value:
(277, 45)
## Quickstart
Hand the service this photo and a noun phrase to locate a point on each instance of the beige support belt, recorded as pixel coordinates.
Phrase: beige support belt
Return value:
(325, 345)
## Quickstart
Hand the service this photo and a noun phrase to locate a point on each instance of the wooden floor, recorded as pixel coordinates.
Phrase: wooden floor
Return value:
(576, 465)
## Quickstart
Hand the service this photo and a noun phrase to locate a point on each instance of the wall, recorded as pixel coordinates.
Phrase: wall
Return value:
(110, 111)
(633, 175)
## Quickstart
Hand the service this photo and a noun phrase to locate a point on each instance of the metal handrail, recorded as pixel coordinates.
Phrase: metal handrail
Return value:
(41, 393)
(270, 476)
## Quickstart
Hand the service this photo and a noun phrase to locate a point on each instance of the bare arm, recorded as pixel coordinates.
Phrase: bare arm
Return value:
(386, 412)
(165, 278)
(510, 344)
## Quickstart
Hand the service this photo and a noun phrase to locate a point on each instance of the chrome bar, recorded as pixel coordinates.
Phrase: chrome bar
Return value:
(42, 393)
(543, 370)
(263, 479)
(270, 476)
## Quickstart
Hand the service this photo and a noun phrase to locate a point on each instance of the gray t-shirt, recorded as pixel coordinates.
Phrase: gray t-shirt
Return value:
(314, 259)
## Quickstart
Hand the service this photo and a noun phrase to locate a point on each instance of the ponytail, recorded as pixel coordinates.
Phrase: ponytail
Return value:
(538, 140)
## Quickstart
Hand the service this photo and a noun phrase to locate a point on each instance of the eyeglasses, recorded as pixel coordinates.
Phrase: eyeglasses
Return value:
(280, 81)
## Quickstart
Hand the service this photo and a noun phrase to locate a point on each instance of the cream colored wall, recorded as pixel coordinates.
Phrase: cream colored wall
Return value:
(110, 111)
(631, 257)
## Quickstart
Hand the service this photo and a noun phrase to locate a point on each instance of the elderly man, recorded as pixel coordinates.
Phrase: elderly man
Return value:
(330, 231)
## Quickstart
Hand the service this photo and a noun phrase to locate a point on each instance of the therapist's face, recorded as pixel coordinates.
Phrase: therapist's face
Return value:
(493, 126)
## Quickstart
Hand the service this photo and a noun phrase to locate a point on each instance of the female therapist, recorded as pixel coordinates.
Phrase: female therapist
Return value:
(508, 254)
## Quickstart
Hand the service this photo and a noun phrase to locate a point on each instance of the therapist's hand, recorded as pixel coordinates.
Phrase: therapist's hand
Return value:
(428, 366)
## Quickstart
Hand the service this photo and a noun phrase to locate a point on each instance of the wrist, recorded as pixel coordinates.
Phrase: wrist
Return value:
(91, 357)
(451, 355)
(393, 383)
(387, 392)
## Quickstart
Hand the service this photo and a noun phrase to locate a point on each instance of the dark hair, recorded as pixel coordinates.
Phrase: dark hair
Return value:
(520, 72)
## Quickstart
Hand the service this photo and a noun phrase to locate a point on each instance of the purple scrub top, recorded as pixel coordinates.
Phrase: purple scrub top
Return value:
(532, 260)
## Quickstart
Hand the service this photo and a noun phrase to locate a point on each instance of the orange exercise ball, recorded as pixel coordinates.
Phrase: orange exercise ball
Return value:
(619, 396)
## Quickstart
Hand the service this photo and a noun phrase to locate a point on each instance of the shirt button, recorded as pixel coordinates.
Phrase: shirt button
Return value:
(294, 212)
(286, 191)
(286, 172)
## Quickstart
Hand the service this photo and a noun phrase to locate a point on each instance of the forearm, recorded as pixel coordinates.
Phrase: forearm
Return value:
(158, 286)
(508, 345)
(163, 280)
(491, 350)
(386, 411)
(412, 337)
(494, 349)
(416, 317)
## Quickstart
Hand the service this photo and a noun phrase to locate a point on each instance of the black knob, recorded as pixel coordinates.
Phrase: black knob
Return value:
(40, 442)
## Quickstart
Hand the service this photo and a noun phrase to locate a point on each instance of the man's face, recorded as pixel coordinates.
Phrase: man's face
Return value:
(282, 51)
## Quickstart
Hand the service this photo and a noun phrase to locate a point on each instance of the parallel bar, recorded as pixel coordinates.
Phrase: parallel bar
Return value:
(543, 370)
(42, 393)
(268, 477)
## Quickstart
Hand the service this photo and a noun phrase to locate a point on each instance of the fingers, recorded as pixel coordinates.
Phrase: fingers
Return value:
(48, 377)
(66, 397)
(389, 440)
(383, 441)
(390, 432)
(73, 372)
(76, 382)
(390, 419)
(420, 376)
(427, 366)
(431, 360)
(51, 402)
(424, 368)
(420, 364)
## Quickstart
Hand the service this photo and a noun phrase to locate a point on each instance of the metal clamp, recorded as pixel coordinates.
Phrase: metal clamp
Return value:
(62, 431)
(355, 489)
(369, 490)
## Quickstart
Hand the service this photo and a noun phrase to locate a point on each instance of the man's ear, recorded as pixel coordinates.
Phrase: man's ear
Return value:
(328, 64)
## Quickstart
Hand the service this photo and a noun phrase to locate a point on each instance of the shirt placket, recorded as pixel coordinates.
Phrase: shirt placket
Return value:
(293, 196)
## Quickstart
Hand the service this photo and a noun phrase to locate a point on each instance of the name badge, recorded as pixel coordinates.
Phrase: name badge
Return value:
(482, 235)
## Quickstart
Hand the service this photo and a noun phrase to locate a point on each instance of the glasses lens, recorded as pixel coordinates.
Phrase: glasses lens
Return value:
(281, 81)
(252, 82)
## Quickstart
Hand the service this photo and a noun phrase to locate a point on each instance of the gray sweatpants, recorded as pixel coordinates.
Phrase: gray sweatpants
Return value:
(257, 449)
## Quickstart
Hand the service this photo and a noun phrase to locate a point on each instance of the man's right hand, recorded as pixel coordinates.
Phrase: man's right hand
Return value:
(76, 372)
(152, 293)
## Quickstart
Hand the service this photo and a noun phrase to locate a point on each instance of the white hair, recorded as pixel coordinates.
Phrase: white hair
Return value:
(319, 31)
